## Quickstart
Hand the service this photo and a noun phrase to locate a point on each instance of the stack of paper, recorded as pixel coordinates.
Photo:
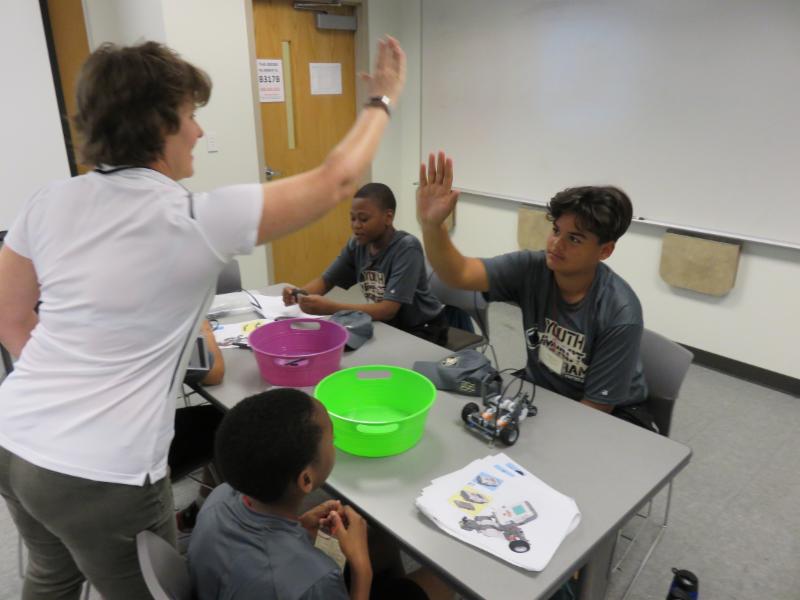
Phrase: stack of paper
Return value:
(501, 508)
(269, 308)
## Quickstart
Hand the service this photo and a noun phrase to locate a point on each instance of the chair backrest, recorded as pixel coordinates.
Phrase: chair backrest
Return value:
(230, 279)
(665, 364)
(164, 570)
(473, 303)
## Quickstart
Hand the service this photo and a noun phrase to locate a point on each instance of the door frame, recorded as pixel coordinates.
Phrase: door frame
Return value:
(59, 90)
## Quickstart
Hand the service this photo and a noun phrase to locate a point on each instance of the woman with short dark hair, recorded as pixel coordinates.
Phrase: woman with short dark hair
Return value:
(122, 262)
(128, 98)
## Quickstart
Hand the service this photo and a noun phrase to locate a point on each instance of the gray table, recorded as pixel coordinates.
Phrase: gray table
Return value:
(608, 466)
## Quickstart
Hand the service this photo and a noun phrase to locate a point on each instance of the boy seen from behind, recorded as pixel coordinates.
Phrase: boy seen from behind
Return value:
(273, 449)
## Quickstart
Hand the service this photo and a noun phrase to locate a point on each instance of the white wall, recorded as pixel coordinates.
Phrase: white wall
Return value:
(396, 163)
(755, 323)
(33, 151)
(215, 36)
(123, 22)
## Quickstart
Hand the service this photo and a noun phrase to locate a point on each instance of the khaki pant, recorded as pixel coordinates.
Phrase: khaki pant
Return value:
(76, 528)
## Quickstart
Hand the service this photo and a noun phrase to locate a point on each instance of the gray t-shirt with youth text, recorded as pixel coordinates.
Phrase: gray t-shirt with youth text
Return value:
(395, 273)
(236, 553)
(586, 350)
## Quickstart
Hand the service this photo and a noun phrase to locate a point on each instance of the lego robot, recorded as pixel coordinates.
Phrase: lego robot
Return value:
(500, 417)
(506, 522)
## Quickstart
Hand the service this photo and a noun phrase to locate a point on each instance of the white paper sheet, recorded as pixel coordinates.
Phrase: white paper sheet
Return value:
(234, 335)
(269, 72)
(326, 78)
(500, 507)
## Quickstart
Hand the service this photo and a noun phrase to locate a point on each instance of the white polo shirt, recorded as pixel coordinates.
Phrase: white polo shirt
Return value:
(126, 264)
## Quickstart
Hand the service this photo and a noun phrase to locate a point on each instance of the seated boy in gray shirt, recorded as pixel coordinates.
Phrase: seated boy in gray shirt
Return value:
(273, 449)
(389, 265)
(583, 322)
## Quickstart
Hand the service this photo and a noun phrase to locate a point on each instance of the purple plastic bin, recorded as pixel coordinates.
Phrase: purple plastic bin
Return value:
(298, 352)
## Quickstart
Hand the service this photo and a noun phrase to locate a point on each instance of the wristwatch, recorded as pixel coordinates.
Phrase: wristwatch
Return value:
(380, 102)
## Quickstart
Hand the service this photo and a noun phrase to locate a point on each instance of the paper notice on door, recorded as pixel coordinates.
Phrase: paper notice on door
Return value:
(270, 79)
(326, 78)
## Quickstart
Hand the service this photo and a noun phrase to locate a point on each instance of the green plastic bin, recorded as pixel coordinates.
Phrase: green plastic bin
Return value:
(376, 410)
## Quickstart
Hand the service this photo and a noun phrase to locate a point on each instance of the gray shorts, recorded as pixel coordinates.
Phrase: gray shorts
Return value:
(78, 529)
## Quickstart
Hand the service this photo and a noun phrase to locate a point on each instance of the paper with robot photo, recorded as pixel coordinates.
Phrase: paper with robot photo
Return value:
(498, 506)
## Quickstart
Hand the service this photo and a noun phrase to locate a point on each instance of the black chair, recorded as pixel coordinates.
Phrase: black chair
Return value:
(665, 365)
(474, 304)
(230, 278)
(195, 451)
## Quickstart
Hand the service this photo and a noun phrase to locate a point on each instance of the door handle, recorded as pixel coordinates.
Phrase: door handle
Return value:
(269, 173)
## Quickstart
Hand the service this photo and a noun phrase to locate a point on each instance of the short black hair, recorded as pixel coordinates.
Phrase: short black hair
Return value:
(129, 98)
(380, 193)
(266, 440)
(606, 211)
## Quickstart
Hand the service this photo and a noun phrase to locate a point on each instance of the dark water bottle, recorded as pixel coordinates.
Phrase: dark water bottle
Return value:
(684, 585)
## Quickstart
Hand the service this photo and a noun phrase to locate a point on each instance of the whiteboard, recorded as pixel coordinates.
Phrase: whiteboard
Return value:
(690, 106)
(33, 151)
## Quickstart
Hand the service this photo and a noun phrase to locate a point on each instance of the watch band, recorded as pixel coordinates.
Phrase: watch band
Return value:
(380, 102)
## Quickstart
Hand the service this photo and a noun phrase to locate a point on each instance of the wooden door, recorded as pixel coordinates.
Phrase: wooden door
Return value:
(320, 121)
